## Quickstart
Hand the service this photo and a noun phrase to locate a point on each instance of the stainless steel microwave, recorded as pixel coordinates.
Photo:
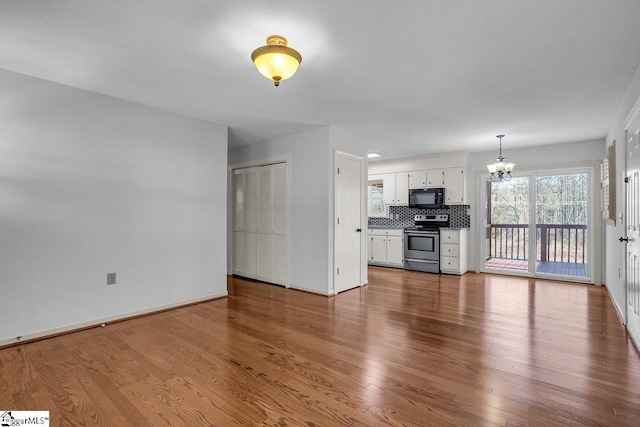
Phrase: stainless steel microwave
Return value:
(426, 198)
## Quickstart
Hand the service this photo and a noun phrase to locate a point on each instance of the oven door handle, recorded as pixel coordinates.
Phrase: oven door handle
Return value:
(421, 260)
(422, 234)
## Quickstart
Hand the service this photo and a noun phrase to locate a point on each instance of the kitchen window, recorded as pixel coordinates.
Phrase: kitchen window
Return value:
(376, 206)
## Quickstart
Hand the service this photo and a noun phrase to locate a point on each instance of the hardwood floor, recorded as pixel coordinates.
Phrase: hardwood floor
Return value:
(408, 349)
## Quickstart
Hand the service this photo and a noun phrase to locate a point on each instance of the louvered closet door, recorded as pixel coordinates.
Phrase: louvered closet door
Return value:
(238, 222)
(265, 224)
(250, 223)
(260, 223)
(279, 251)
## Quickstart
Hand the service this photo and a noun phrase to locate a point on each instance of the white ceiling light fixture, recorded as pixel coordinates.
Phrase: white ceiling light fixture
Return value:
(276, 61)
(500, 171)
(373, 155)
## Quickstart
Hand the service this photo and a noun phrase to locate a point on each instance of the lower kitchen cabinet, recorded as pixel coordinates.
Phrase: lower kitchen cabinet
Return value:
(453, 251)
(386, 247)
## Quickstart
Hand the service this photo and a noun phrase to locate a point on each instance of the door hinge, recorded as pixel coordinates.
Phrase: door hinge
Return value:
(338, 271)
(338, 221)
(338, 171)
(626, 179)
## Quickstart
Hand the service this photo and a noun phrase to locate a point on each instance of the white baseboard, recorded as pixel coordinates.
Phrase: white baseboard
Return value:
(311, 291)
(623, 319)
(97, 322)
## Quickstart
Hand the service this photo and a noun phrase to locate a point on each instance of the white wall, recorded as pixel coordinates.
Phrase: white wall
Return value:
(310, 190)
(533, 157)
(89, 185)
(409, 164)
(615, 255)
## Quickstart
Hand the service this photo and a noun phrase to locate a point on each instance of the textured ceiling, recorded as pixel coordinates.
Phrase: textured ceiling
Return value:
(411, 77)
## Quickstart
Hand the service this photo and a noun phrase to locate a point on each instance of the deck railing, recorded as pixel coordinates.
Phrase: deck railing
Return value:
(556, 242)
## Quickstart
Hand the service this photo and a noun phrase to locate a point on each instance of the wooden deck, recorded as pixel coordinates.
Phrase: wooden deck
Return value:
(559, 268)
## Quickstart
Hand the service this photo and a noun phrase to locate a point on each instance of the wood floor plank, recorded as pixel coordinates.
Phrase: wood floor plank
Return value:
(408, 349)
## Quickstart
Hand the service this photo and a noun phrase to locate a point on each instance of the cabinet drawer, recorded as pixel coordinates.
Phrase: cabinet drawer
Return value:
(449, 236)
(450, 249)
(449, 263)
(387, 231)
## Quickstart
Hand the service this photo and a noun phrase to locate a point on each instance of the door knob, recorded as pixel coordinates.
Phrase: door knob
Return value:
(624, 239)
(359, 230)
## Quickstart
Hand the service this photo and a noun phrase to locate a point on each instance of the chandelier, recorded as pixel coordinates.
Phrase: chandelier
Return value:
(500, 171)
(276, 61)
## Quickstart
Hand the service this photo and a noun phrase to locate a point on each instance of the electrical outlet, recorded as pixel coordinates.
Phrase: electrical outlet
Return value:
(111, 278)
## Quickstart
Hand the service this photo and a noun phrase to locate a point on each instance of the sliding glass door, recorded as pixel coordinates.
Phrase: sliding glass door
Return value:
(538, 224)
(507, 231)
(562, 207)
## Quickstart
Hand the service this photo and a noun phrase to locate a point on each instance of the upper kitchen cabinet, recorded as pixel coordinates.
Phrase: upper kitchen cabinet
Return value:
(418, 179)
(446, 171)
(396, 189)
(454, 186)
(435, 178)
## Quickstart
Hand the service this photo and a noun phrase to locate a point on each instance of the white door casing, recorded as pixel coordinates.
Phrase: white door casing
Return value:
(347, 221)
(632, 267)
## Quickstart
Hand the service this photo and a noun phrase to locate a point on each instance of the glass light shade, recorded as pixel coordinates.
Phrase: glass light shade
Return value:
(492, 168)
(508, 167)
(276, 61)
(500, 166)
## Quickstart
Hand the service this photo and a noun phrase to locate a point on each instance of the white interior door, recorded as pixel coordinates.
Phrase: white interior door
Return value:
(348, 222)
(633, 228)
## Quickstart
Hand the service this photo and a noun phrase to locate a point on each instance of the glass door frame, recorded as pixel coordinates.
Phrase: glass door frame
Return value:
(592, 170)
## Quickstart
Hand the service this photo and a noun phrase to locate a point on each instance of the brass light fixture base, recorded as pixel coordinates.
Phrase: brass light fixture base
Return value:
(276, 61)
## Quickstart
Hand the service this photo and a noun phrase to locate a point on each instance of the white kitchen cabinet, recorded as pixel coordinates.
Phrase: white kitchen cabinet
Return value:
(418, 179)
(453, 251)
(386, 247)
(435, 178)
(389, 188)
(402, 189)
(396, 188)
(379, 248)
(454, 186)
(395, 249)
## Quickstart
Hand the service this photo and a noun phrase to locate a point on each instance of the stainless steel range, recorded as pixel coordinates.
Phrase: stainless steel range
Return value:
(422, 243)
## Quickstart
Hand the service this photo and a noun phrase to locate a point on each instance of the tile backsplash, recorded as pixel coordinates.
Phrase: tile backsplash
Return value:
(402, 216)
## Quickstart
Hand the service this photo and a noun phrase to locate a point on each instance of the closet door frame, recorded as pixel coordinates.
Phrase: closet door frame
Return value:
(286, 160)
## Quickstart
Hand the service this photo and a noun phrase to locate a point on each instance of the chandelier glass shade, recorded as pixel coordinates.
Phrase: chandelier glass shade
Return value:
(276, 61)
(500, 170)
